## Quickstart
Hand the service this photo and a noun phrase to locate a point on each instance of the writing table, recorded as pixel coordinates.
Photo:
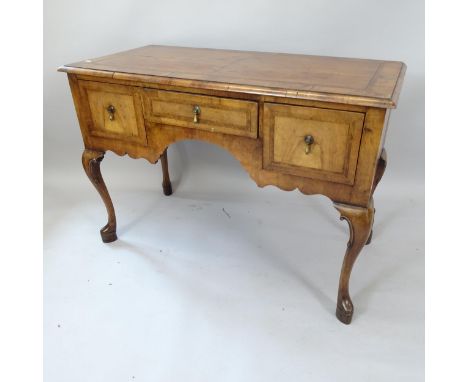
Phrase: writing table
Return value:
(311, 123)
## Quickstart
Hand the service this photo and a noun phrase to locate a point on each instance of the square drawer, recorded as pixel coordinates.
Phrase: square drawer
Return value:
(312, 142)
(114, 111)
(215, 114)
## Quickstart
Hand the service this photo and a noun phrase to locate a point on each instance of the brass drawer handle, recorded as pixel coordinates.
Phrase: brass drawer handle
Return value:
(196, 112)
(111, 110)
(308, 140)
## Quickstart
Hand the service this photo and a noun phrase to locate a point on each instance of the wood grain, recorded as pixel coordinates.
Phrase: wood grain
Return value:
(127, 122)
(261, 107)
(379, 172)
(360, 222)
(334, 152)
(343, 80)
(217, 114)
(92, 165)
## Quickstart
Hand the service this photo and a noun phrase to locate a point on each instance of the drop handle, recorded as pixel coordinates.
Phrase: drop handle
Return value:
(111, 110)
(196, 112)
(308, 140)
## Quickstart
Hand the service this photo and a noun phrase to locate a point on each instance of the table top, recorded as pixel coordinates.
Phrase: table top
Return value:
(332, 79)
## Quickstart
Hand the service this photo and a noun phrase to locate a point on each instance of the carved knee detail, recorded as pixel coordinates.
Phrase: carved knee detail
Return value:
(360, 220)
(92, 165)
(379, 172)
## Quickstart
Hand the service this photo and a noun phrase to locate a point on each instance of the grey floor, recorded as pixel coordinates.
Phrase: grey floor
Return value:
(224, 281)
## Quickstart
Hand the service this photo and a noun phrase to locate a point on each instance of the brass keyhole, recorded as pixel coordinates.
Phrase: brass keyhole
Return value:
(111, 110)
(308, 140)
(196, 112)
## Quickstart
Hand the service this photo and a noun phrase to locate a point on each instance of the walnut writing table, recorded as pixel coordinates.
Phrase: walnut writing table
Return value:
(294, 121)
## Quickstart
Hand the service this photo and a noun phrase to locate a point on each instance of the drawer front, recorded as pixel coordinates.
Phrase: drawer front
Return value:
(311, 142)
(114, 111)
(215, 114)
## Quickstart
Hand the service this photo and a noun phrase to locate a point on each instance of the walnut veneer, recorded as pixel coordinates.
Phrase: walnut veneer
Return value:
(294, 121)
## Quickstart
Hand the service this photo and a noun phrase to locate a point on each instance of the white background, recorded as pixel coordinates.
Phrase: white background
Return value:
(196, 294)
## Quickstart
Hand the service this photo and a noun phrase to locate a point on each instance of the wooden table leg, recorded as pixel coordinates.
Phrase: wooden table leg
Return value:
(92, 165)
(381, 166)
(166, 184)
(360, 220)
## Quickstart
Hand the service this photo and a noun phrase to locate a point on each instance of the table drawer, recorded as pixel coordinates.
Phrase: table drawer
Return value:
(215, 114)
(113, 111)
(312, 142)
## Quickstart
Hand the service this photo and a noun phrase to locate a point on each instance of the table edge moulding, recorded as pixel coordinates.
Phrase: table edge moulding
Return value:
(312, 123)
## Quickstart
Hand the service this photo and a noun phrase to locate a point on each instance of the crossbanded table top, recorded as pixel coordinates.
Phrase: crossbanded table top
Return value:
(332, 79)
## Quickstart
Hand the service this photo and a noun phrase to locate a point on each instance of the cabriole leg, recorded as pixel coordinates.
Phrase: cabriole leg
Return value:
(91, 164)
(360, 221)
(166, 184)
(381, 166)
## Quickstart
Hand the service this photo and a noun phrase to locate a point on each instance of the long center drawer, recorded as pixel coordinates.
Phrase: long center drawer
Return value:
(215, 114)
